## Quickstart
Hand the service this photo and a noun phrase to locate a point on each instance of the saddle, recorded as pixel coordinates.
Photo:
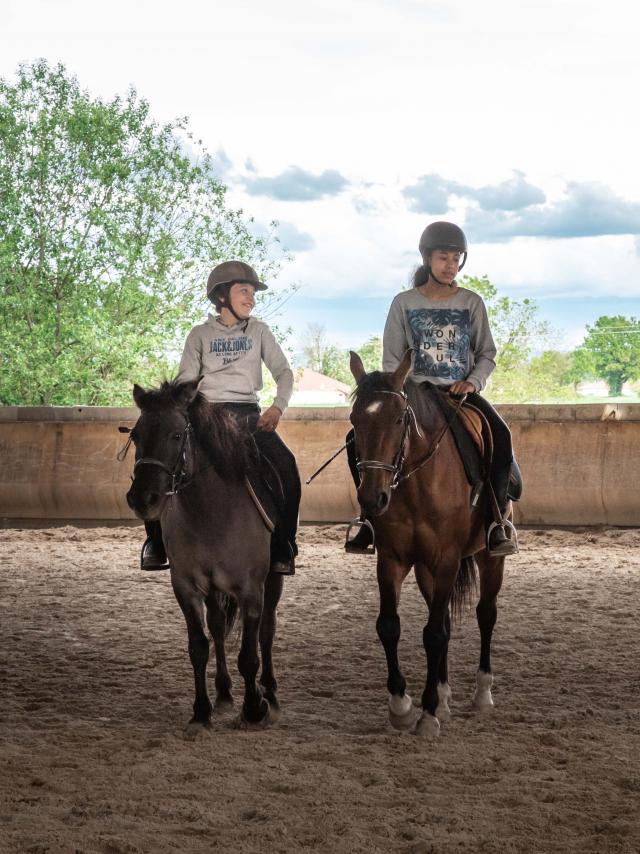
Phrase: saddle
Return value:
(471, 433)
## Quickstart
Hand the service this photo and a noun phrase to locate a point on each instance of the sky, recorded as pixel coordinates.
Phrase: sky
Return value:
(355, 124)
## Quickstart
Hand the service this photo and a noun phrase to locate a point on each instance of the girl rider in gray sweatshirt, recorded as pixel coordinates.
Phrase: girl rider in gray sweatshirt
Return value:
(227, 351)
(447, 328)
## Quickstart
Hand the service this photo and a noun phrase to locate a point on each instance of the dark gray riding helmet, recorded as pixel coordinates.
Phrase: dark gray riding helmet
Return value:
(230, 272)
(443, 235)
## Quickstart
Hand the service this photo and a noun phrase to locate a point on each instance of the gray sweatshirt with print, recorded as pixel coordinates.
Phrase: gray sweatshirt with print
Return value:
(451, 338)
(230, 360)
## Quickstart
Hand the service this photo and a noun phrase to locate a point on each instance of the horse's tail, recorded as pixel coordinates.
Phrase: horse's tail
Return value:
(464, 586)
(229, 605)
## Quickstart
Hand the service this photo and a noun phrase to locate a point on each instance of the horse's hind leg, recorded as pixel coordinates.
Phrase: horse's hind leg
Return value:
(255, 709)
(491, 572)
(391, 574)
(272, 593)
(218, 608)
(193, 609)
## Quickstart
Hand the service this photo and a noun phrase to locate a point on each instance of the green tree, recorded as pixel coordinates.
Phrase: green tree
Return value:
(108, 227)
(517, 331)
(324, 357)
(614, 346)
(371, 354)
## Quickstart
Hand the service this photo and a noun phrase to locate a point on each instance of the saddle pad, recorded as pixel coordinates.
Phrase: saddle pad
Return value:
(468, 429)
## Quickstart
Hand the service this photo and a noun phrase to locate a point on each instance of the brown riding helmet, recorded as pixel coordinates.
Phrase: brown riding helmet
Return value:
(230, 272)
(443, 235)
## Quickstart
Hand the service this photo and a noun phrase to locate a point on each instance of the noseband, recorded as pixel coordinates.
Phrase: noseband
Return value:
(179, 473)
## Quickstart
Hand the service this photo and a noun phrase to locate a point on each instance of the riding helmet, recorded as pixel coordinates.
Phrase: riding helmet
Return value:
(230, 272)
(443, 235)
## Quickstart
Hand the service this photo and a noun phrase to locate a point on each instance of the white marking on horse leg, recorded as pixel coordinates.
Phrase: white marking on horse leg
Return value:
(374, 407)
(443, 712)
(400, 705)
(482, 699)
(428, 726)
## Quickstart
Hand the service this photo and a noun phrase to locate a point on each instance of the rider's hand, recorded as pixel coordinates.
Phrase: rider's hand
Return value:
(462, 387)
(269, 419)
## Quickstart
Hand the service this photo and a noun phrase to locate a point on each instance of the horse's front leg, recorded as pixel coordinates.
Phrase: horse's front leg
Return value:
(491, 572)
(255, 709)
(435, 638)
(391, 574)
(220, 611)
(425, 583)
(272, 593)
(193, 609)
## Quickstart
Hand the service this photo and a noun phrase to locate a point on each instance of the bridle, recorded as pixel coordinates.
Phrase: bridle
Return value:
(408, 417)
(179, 474)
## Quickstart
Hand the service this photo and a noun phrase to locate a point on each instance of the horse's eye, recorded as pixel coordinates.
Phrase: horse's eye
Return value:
(400, 420)
(176, 437)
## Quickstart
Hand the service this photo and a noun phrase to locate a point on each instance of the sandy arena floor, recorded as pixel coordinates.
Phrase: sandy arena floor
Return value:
(97, 688)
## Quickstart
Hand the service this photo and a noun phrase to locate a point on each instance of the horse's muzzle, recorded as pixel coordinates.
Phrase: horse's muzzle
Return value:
(374, 504)
(145, 504)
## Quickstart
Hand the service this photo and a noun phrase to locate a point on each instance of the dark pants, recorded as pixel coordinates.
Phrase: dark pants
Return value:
(502, 451)
(283, 490)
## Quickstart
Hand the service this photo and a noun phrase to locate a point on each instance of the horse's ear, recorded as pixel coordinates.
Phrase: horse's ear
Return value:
(187, 391)
(357, 368)
(402, 371)
(139, 395)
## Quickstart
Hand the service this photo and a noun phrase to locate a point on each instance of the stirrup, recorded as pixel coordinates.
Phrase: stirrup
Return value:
(513, 538)
(360, 523)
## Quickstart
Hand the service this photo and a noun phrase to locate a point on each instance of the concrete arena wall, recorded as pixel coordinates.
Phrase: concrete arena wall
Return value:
(581, 464)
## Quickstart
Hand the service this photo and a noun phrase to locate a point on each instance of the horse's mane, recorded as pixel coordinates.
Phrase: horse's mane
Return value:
(227, 445)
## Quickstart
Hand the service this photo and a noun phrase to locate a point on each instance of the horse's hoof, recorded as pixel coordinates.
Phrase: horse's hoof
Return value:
(482, 700)
(402, 714)
(196, 729)
(222, 705)
(428, 726)
(443, 712)
(265, 721)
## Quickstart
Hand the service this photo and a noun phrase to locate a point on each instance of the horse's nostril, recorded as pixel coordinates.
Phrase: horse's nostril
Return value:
(154, 497)
(383, 500)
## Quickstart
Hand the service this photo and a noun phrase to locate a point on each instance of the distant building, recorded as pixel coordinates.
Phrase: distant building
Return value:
(313, 389)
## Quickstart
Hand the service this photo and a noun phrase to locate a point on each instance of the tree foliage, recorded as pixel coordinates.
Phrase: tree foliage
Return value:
(517, 332)
(611, 350)
(108, 227)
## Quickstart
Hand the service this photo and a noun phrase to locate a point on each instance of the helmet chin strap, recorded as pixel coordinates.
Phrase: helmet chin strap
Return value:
(228, 305)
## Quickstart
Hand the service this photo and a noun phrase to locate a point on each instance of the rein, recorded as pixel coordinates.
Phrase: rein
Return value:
(398, 461)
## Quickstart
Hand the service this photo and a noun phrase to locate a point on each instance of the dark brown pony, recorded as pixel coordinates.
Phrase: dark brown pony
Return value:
(191, 463)
(414, 490)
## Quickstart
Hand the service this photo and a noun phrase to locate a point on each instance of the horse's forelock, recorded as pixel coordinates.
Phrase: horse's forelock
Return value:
(370, 385)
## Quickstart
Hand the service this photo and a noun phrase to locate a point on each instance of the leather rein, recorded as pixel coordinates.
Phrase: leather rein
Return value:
(408, 417)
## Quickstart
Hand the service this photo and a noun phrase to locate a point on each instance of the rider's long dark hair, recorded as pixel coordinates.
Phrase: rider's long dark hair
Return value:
(420, 276)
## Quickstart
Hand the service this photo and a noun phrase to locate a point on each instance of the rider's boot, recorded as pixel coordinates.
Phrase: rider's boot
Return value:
(153, 555)
(283, 556)
(499, 543)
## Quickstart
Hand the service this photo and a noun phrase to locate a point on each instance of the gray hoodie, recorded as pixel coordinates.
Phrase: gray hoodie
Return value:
(230, 360)
(451, 338)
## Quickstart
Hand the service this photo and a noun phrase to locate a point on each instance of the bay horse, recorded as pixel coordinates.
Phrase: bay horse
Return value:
(414, 490)
(190, 473)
